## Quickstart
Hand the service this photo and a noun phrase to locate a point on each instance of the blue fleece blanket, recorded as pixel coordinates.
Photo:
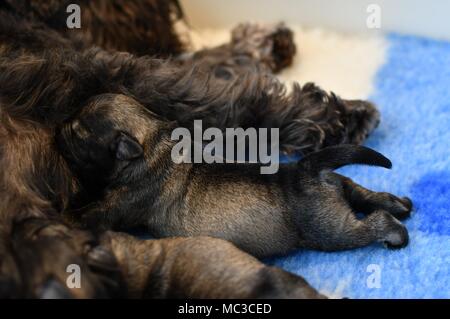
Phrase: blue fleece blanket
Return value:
(413, 94)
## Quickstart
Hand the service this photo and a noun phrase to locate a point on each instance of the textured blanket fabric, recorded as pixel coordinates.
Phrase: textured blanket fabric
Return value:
(409, 79)
(412, 91)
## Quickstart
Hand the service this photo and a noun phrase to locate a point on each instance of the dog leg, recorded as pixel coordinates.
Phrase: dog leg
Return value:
(367, 201)
(268, 47)
(271, 45)
(344, 231)
(387, 229)
(341, 229)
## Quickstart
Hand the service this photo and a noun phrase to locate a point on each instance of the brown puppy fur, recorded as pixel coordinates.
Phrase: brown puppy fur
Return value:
(112, 265)
(35, 181)
(119, 265)
(177, 262)
(47, 75)
(122, 154)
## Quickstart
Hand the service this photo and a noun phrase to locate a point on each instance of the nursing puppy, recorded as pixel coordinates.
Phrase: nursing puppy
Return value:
(117, 265)
(122, 155)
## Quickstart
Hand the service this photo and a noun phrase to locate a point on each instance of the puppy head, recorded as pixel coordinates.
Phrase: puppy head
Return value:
(108, 136)
(50, 252)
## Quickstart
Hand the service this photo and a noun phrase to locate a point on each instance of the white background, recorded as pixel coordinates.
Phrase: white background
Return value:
(420, 17)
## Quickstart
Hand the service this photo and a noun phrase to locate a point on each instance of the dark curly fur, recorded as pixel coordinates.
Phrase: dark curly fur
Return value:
(252, 45)
(139, 27)
(47, 73)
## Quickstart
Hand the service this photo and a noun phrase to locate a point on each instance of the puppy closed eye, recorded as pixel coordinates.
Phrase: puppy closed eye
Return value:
(127, 148)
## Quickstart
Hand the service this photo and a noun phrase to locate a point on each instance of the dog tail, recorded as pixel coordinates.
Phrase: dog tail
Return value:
(334, 157)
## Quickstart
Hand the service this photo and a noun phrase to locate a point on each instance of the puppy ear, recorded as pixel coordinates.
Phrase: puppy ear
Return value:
(127, 148)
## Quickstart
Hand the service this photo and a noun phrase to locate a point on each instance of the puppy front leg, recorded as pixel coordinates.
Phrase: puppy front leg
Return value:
(200, 267)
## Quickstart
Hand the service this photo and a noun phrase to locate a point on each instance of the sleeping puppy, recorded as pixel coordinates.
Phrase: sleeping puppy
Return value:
(122, 154)
(117, 265)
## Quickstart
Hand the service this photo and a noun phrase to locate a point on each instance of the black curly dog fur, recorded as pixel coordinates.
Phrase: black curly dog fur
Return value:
(47, 73)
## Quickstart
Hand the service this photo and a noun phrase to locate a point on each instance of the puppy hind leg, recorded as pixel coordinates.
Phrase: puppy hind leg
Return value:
(350, 233)
(366, 201)
(388, 229)
(342, 234)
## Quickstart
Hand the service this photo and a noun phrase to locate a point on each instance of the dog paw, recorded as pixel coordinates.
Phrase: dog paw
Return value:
(407, 202)
(404, 207)
(391, 232)
(284, 49)
(272, 45)
(396, 235)
(363, 118)
(400, 208)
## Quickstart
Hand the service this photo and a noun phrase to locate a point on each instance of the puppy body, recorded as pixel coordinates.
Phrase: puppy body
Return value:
(35, 49)
(304, 205)
(119, 265)
(48, 72)
(170, 268)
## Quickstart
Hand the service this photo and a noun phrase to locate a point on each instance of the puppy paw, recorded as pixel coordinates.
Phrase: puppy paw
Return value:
(389, 231)
(407, 202)
(400, 208)
(395, 235)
